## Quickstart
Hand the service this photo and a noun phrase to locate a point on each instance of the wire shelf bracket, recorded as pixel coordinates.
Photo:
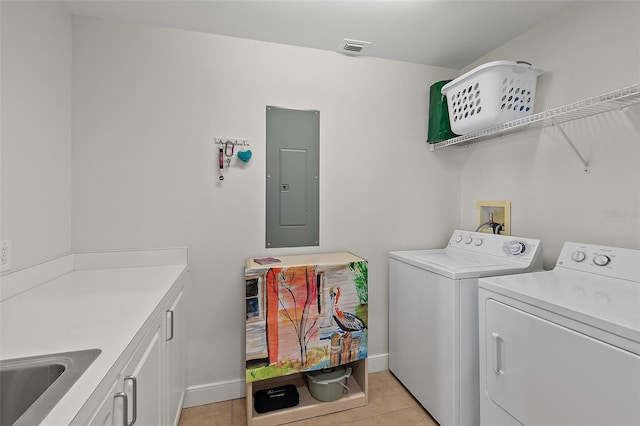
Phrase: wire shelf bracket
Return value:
(584, 162)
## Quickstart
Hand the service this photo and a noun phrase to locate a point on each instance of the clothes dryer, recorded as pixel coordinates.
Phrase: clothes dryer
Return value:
(562, 347)
(433, 317)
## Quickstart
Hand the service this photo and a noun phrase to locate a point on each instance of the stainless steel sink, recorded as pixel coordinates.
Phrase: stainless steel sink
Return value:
(31, 387)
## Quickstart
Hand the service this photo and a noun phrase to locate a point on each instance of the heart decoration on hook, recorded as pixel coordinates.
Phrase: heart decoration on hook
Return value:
(244, 155)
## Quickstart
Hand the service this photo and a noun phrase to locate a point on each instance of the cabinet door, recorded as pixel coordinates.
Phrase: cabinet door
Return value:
(110, 411)
(176, 351)
(142, 381)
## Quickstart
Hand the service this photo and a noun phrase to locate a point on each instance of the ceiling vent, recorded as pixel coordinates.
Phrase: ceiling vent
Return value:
(353, 47)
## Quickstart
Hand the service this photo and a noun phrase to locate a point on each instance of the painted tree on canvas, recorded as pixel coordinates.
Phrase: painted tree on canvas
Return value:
(297, 294)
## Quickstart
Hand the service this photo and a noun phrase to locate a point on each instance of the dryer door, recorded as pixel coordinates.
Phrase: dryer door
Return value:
(542, 373)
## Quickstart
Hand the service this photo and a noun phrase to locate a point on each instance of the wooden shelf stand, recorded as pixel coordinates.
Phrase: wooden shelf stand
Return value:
(357, 396)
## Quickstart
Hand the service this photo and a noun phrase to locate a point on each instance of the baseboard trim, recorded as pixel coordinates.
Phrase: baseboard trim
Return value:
(378, 363)
(214, 392)
(234, 389)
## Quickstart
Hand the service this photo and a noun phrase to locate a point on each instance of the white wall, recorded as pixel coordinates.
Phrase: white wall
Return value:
(590, 49)
(147, 104)
(35, 138)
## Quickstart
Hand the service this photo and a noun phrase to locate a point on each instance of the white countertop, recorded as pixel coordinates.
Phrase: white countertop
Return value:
(84, 309)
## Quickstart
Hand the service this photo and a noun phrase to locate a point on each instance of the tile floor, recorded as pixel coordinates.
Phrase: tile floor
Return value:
(390, 404)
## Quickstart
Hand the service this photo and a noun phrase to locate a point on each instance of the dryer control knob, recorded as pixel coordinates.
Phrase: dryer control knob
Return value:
(458, 238)
(478, 242)
(601, 259)
(579, 256)
(468, 240)
(516, 247)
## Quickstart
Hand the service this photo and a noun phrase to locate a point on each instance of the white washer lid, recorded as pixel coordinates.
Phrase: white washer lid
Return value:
(457, 261)
(456, 264)
(610, 304)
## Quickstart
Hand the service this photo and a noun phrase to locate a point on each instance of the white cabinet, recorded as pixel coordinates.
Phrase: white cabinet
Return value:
(151, 384)
(142, 382)
(176, 355)
(109, 408)
(137, 389)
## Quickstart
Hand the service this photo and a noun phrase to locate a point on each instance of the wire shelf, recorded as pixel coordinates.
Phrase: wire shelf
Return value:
(610, 101)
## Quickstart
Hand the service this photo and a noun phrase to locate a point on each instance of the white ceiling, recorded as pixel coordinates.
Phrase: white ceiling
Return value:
(445, 33)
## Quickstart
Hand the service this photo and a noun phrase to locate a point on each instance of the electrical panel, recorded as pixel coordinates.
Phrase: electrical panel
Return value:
(292, 189)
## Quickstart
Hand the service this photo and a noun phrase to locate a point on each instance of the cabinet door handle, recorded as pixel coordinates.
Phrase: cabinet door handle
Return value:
(498, 355)
(134, 393)
(170, 321)
(125, 406)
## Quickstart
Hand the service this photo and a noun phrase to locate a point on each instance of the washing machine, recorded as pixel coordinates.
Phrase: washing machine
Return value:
(562, 347)
(433, 317)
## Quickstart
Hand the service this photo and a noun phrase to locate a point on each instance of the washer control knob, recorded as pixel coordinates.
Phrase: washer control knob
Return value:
(478, 242)
(468, 240)
(458, 238)
(579, 256)
(516, 247)
(601, 259)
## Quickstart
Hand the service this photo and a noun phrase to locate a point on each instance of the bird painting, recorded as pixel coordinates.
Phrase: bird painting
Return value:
(346, 321)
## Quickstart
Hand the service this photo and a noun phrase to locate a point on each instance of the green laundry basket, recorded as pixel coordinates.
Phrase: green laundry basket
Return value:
(439, 127)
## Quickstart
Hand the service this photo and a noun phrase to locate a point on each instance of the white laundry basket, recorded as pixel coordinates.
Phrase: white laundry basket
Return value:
(491, 94)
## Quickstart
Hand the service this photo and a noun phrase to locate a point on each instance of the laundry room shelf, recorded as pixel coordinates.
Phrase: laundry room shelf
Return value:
(610, 101)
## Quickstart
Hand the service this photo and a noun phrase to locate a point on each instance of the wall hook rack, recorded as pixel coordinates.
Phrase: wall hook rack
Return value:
(235, 141)
(226, 150)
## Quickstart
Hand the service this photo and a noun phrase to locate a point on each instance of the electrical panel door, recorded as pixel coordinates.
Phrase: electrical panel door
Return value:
(292, 199)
